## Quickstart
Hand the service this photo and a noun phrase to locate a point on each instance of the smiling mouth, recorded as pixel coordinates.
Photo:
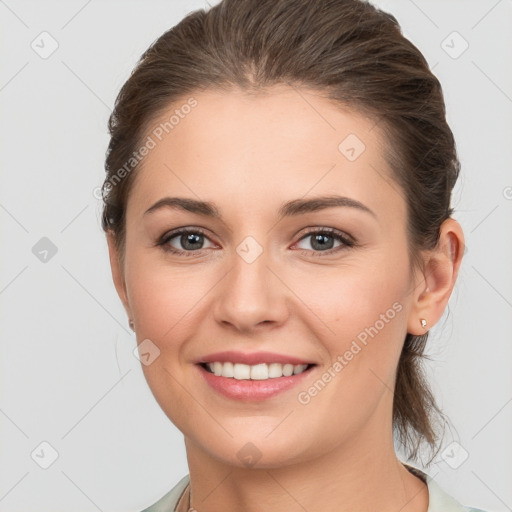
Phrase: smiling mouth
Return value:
(262, 371)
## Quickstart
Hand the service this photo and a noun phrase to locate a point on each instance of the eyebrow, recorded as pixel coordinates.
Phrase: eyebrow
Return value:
(287, 209)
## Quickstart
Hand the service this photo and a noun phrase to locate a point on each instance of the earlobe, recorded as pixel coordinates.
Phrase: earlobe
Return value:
(440, 272)
(117, 271)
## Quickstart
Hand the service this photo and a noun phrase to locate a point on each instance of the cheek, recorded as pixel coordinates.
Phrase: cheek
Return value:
(163, 297)
(360, 317)
(352, 298)
(165, 302)
(366, 316)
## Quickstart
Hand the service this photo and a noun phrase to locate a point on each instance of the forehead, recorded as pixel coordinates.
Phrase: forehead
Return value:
(280, 144)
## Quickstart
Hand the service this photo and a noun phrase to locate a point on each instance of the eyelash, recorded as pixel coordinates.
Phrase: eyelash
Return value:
(334, 233)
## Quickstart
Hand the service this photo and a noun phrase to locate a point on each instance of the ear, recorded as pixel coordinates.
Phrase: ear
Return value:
(118, 272)
(434, 287)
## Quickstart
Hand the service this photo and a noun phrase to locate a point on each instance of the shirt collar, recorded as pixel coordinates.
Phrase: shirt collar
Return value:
(438, 499)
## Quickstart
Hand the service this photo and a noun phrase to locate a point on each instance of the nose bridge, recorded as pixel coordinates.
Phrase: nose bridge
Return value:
(251, 294)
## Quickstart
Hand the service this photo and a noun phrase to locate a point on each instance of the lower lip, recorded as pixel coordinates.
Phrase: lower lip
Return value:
(252, 389)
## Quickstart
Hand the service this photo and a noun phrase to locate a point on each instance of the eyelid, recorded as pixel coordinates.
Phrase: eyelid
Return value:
(325, 229)
(346, 240)
(168, 235)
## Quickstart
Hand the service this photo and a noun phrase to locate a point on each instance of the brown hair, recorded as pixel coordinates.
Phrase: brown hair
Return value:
(348, 50)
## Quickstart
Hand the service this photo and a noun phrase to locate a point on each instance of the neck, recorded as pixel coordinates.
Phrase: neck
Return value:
(343, 480)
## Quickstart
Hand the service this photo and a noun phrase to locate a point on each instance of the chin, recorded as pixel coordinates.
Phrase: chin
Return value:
(259, 452)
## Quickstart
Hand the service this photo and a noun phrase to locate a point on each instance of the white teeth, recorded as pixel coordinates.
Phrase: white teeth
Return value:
(260, 371)
(299, 368)
(242, 371)
(288, 370)
(275, 370)
(217, 369)
(228, 370)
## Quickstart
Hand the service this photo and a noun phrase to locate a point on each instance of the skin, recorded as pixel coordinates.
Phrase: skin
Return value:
(248, 154)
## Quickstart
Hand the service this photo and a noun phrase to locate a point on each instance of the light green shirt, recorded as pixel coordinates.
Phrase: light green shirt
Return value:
(439, 500)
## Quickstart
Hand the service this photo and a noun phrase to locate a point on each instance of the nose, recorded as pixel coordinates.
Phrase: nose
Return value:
(251, 296)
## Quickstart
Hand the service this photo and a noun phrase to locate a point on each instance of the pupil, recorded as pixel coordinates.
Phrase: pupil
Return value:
(321, 239)
(190, 239)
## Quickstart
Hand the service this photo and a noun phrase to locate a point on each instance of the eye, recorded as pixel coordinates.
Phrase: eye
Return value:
(188, 241)
(323, 240)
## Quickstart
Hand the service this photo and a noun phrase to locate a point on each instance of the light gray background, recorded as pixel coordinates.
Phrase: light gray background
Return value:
(67, 372)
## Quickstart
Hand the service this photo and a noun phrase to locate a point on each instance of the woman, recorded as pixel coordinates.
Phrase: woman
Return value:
(277, 211)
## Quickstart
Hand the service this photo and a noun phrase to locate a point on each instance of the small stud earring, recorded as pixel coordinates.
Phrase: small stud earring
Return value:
(423, 323)
(130, 323)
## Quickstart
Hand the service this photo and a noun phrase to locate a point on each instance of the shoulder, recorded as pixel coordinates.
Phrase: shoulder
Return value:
(439, 499)
(168, 502)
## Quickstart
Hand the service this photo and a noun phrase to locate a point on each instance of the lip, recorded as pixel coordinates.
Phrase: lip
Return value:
(252, 390)
(231, 356)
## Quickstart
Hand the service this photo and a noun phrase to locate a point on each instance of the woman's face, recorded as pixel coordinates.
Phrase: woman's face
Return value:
(269, 275)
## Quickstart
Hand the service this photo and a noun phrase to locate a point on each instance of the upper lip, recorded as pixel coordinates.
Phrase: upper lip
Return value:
(251, 358)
